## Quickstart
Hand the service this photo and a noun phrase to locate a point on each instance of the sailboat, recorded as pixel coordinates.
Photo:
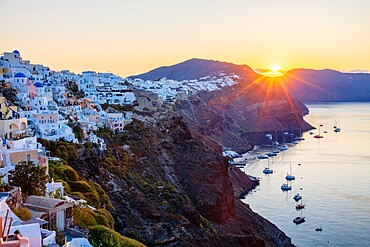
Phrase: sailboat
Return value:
(286, 187)
(267, 169)
(300, 219)
(297, 197)
(283, 147)
(300, 206)
(319, 135)
(262, 156)
(290, 175)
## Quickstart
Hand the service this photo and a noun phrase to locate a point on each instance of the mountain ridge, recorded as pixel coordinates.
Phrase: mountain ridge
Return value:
(306, 85)
(195, 68)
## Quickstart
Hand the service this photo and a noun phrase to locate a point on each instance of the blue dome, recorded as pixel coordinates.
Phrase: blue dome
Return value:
(38, 84)
(20, 75)
(16, 52)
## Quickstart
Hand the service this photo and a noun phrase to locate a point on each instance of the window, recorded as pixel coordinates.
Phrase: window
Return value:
(28, 157)
(10, 127)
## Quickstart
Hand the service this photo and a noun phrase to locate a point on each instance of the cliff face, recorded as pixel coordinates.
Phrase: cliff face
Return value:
(241, 115)
(170, 187)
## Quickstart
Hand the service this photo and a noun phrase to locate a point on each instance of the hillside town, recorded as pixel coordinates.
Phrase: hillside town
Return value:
(50, 105)
(69, 107)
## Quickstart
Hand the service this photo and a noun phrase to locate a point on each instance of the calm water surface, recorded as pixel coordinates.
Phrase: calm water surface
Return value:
(334, 177)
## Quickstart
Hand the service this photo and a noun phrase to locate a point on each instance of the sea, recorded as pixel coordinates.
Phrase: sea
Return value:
(332, 175)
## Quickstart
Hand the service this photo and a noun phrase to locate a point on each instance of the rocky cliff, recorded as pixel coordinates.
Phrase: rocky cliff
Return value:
(239, 116)
(171, 186)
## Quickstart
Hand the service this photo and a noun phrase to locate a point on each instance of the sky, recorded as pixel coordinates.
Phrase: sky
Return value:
(129, 37)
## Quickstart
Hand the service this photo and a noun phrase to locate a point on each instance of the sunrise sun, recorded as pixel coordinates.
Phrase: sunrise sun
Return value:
(275, 68)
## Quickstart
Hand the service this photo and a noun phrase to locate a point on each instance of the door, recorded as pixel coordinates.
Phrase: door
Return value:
(61, 219)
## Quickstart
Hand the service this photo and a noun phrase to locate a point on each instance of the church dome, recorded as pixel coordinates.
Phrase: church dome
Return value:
(38, 84)
(20, 75)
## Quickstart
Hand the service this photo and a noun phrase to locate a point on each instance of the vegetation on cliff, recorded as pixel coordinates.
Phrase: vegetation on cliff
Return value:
(30, 177)
(102, 236)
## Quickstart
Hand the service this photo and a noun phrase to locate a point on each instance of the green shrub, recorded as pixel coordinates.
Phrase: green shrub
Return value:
(81, 186)
(103, 236)
(84, 216)
(92, 199)
(103, 217)
(70, 173)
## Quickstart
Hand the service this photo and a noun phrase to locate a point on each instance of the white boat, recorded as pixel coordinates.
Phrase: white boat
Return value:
(238, 163)
(283, 147)
(285, 187)
(311, 133)
(300, 206)
(262, 156)
(271, 154)
(297, 197)
(295, 142)
(290, 175)
(267, 169)
(299, 220)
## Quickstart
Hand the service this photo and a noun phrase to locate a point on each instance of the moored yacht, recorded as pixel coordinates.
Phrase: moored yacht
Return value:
(283, 147)
(271, 154)
(299, 220)
(297, 197)
(290, 175)
(262, 156)
(285, 187)
(267, 170)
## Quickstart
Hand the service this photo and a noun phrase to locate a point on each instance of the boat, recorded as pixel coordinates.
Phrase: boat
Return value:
(337, 130)
(319, 135)
(295, 142)
(325, 132)
(286, 187)
(283, 147)
(267, 169)
(311, 133)
(300, 206)
(271, 154)
(319, 229)
(262, 156)
(299, 220)
(238, 163)
(276, 151)
(290, 175)
(297, 197)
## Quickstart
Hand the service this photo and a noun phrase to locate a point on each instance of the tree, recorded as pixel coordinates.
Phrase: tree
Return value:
(74, 88)
(31, 178)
